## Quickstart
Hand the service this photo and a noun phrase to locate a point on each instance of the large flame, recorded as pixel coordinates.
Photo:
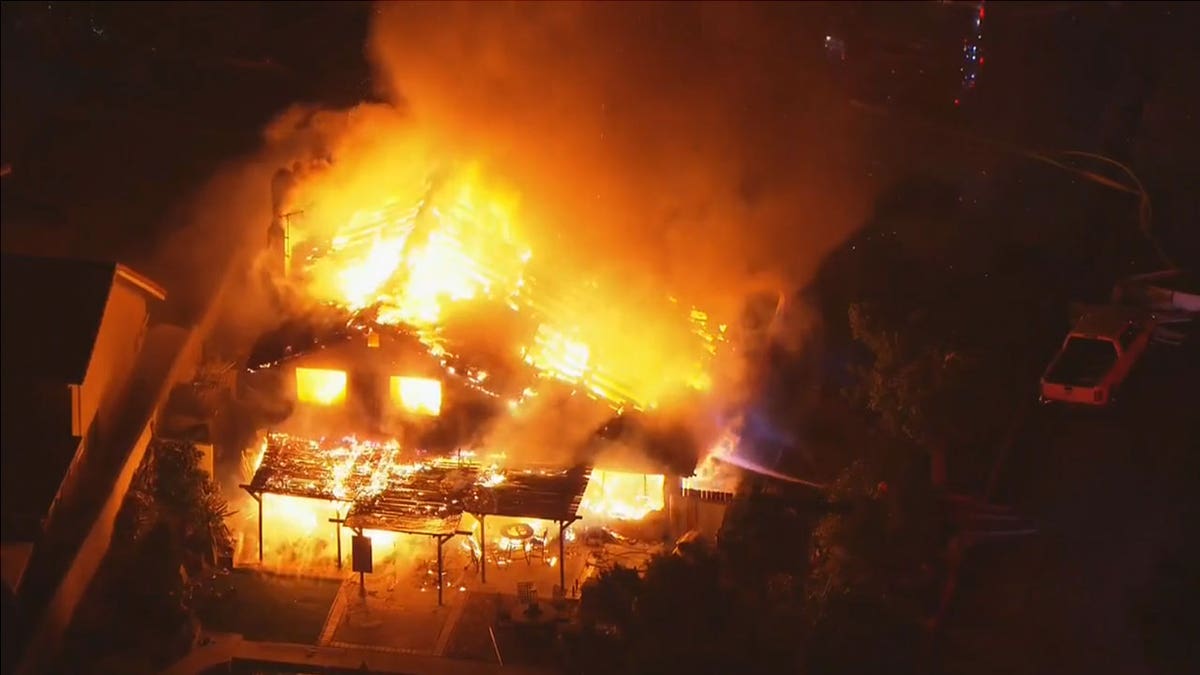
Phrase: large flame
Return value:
(320, 386)
(419, 395)
(299, 532)
(423, 250)
(623, 496)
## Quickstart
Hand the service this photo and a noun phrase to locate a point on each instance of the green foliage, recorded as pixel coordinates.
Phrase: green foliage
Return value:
(186, 495)
(917, 385)
(686, 613)
(877, 549)
(763, 536)
(608, 599)
(168, 529)
(171, 487)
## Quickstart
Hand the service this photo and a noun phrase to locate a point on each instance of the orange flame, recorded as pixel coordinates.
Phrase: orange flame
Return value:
(623, 496)
(320, 386)
(455, 241)
(418, 395)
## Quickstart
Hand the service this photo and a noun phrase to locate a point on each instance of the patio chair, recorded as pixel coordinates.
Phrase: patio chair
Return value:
(474, 555)
(537, 547)
(520, 551)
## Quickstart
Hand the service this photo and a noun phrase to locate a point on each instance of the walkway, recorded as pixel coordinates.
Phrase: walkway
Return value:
(225, 648)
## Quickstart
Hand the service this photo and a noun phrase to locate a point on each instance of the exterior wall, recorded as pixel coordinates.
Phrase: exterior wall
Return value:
(41, 653)
(688, 510)
(207, 456)
(83, 568)
(97, 401)
(122, 331)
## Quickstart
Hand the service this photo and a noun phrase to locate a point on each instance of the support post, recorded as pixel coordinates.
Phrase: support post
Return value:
(260, 529)
(482, 548)
(362, 578)
(440, 578)
(338, 524)
(257, 496)
(562, 558)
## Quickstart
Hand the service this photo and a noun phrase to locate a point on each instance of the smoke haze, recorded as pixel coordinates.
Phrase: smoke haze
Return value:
(694, 147)
(697, 151)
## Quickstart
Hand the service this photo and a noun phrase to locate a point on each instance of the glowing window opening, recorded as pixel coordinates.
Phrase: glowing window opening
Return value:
(623, 496)
(320, 386)
(418, 395)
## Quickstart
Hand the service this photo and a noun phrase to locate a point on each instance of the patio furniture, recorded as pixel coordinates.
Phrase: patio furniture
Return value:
(519, 536)
(526, 593)
(474, 555)
(537, 546)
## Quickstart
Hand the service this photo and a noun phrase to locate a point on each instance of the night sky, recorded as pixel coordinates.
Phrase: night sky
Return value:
(113, 113)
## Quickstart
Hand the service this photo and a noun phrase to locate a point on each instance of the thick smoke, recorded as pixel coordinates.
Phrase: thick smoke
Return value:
(698, 151)
(698, 148)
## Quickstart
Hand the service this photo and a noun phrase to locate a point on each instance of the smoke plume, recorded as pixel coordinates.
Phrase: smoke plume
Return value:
(691, 150)
(693, 147)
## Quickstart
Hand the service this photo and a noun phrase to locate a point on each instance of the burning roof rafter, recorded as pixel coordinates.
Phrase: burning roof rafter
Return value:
(420, 252)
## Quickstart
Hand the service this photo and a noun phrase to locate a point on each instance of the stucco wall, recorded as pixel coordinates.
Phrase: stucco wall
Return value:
(122, 331)
(114, 356)
(186, 353)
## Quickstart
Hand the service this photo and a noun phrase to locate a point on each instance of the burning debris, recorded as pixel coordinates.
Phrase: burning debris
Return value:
(418, 312)
(452, 245)
(624, 496)
(383, 485)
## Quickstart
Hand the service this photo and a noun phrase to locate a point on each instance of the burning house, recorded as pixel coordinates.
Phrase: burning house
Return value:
(376, 436)
(431, 380)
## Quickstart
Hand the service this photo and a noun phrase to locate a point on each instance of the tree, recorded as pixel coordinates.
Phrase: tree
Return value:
(871, 572)
(909, 375)
(186, 496)
(139, 607)
(764, 535)
(608, 599)
(688, 614)
(923, 386)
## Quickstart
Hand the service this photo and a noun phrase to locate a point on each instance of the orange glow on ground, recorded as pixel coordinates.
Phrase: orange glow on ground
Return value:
(320, 386)
(298, 537)
(622, 496)
(419, 395)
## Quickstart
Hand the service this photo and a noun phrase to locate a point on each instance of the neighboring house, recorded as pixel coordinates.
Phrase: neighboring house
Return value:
(72, 333)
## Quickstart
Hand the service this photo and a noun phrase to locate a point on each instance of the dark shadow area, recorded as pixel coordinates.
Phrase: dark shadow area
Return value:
(271, 608)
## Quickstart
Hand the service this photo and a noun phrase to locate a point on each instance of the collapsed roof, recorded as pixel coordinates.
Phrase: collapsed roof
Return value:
(390, 489)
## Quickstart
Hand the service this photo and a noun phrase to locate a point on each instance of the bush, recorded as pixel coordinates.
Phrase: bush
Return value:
(159, 565)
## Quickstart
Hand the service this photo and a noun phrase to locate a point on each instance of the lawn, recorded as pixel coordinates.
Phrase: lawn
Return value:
(272, 608)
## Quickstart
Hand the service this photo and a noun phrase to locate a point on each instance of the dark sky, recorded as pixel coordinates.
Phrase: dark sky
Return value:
(113, 113)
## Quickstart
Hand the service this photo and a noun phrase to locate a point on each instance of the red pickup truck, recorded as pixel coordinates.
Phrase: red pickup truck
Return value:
(1097, 356)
